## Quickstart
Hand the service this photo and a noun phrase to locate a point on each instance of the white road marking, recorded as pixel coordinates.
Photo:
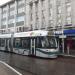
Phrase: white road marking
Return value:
(10, 68)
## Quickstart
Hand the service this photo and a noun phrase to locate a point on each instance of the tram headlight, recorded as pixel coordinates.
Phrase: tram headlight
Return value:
(53, 50)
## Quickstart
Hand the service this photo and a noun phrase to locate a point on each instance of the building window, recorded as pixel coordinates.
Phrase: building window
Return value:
(68, 11)
(17, 29)
(11, 21)
(68, 14)
(20, 6)
(19, 19)
(43, 4)
(4, 22)
(59, 15)
(50, 23)
(20, 2)
(59, 21)
(5, 8)
(8, 30)
(12, 5)
(50, 13)
(31, 12)
(59, 24)
(59, 10)
(31, 16)
(4, 15)
(68, 20)
(58, 2)
(36, 12)
(68, 1)
(43, 14)
(20, 10)
(43, 20)
(11, 13)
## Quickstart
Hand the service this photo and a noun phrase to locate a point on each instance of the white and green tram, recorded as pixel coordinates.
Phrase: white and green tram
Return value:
(38, 43)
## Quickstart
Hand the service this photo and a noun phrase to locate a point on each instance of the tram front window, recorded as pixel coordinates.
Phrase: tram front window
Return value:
(48, 42)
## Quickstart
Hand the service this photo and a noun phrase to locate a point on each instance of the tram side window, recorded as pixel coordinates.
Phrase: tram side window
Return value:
(2, 42)
(13, 42)
(17, 43)
(43, 42)
(25, 43)
(8, 42)
(38, 45)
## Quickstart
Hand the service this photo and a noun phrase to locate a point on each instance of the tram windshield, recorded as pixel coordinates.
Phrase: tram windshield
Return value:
(47, 42)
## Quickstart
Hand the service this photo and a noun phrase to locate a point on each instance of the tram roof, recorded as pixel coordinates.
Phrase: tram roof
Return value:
(5, 35)
(32, 33)
(28, 34)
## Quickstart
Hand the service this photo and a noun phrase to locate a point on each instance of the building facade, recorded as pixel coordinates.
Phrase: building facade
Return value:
(26, 15)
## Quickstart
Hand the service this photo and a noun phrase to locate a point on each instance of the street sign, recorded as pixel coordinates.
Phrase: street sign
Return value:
(62, 36)
(58, 32)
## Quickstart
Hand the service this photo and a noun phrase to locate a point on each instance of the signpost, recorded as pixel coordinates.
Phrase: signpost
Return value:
(62, 36)
(12, 33)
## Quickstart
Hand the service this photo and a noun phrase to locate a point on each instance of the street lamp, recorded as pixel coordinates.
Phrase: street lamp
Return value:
(12, 34)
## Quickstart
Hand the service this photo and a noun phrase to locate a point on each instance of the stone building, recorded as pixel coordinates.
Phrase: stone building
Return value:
(26, 15)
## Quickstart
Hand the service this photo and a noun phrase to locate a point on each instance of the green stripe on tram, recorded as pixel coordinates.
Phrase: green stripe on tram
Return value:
(47, 52)
(21, 48)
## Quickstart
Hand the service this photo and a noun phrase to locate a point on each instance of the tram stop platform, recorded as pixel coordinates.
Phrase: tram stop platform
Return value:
(5, 69)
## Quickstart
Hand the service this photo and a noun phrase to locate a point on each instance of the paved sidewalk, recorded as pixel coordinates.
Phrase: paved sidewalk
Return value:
(5, 69)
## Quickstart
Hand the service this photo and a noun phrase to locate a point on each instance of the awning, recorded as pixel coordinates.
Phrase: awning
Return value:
(70, 32)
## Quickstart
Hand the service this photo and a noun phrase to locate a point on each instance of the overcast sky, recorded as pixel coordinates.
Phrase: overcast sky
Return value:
(3, 1)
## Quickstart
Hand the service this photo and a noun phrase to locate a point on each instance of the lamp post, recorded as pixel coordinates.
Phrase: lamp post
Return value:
(63, 43)
(12, 34)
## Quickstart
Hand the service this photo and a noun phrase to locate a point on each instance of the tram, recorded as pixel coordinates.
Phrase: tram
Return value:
(5, 42)
(38, 43)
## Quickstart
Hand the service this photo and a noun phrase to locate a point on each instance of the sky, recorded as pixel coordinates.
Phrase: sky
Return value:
(3, 1)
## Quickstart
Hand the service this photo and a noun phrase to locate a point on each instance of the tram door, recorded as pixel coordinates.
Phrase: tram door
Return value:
(32, 49)
(8, 48)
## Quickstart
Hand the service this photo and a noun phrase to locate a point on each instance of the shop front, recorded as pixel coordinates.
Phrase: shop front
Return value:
(66, 42)
(69, 42)
(60, 40)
